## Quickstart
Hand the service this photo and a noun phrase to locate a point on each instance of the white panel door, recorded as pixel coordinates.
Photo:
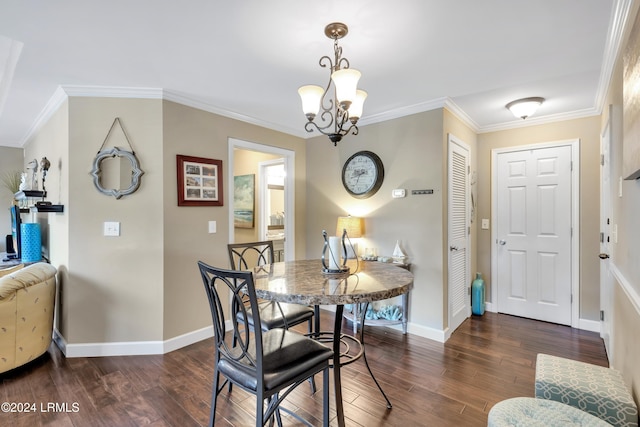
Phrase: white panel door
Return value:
(459, 222)
(534, 233)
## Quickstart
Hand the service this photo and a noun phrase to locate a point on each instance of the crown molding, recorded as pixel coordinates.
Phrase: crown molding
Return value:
(57, 99)
(403, 111)
(183, 99)
(112, 92)
(617, 26)
(572, 115)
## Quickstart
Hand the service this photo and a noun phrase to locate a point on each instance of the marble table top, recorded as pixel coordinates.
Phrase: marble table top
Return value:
(303, 282)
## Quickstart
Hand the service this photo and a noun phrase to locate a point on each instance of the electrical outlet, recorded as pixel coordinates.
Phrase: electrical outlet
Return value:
(111, 228)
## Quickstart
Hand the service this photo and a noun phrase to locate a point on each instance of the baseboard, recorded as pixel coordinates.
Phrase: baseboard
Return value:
(587, 325)
(132, 348)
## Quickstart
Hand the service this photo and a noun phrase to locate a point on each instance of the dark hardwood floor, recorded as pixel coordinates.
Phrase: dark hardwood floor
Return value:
(488, 359)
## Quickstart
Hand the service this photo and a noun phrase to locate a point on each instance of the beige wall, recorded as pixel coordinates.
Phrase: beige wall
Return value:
(194, 132)
(114, 289)
(141, 287)
(11, 159)
(412, 150)
(587, 130)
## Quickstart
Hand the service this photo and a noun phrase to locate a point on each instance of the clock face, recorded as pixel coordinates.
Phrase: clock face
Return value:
(362, 174)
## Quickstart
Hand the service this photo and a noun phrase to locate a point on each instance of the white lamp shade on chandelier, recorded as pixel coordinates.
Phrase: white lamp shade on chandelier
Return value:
(525, 107)
(355, 111)
(346, 82)
(311, 95)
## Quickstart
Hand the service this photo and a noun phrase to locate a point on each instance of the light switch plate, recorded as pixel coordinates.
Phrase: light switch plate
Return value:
(485, 224)
(212, 227)
(111, 228)
(398, 193)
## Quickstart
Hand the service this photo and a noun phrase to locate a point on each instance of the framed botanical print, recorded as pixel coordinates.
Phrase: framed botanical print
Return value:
(199, 181)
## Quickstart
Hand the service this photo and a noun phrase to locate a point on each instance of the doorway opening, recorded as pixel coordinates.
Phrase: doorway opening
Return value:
(246, 158)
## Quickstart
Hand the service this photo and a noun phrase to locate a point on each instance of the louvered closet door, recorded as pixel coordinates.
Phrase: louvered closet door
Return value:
(459, 222)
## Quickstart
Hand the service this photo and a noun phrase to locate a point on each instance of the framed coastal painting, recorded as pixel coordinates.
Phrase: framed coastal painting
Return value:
(199, 181)
(244, 201)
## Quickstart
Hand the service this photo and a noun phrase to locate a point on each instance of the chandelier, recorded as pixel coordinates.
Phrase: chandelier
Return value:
(339, 114)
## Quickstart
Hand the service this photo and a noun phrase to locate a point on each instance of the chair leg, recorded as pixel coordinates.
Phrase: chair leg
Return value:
(312, 381)
(325, 397)
(214, 398)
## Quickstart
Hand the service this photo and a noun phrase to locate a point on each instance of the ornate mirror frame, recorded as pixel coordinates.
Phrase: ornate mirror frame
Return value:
(136, 172)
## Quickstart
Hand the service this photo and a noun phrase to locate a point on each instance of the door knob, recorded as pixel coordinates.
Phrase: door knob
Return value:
(502, 242)
(453, 248)
(603, 256)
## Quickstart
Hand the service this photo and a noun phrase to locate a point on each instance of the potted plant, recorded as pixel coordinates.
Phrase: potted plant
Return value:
(11, 181)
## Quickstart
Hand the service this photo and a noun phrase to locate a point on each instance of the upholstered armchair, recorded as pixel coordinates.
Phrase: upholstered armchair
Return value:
(27, 298)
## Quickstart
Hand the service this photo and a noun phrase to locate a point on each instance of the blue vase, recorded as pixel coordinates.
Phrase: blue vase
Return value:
(477, 295)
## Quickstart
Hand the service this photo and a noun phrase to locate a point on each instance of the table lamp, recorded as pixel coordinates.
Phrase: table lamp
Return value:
(353, 227)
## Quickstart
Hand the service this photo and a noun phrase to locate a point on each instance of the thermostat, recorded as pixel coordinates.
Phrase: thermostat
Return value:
(398, 193)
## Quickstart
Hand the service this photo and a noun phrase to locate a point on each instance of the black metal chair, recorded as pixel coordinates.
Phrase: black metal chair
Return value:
(269, 364)
(245, 256)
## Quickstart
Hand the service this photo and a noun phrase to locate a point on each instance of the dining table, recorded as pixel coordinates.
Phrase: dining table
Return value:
(305, 282)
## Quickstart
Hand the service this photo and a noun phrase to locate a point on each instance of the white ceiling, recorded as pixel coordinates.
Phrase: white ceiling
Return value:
(246, 59)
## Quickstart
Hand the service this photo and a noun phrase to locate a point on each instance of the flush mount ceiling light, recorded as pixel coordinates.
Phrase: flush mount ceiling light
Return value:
(525, 107)
(341, 113)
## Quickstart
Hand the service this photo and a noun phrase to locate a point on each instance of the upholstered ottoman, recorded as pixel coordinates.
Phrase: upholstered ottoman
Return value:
(530, 412)
(594, 389)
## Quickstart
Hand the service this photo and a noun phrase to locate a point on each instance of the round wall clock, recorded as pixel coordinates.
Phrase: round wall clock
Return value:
(362, 174)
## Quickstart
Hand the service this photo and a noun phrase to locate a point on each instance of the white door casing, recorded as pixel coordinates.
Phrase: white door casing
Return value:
(606, 278)
(534, 251)
(459, 277)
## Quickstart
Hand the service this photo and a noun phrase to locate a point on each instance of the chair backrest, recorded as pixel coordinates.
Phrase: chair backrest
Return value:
(245, 256)
(247, 351)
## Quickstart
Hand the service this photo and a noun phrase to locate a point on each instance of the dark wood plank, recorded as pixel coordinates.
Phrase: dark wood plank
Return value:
(488, 359)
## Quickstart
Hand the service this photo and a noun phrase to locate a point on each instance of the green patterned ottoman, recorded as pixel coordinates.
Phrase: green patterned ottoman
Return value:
(530, 412)
(594, 389)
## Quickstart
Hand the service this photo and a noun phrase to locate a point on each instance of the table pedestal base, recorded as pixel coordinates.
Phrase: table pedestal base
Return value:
(346, 350)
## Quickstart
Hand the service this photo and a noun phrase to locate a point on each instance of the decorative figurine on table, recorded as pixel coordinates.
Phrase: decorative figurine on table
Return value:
(334, 252)
(45, 164)
(33, 166)
(23, 182)
(399, 256)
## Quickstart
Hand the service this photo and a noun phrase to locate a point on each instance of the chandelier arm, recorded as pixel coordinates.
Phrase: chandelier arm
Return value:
(322, 62)
(344, 61)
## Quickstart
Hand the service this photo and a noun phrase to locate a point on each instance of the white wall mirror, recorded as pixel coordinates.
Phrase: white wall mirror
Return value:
(116, 172)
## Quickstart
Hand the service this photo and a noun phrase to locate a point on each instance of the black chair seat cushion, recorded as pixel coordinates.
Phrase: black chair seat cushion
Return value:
(271, 316)
(287, 355)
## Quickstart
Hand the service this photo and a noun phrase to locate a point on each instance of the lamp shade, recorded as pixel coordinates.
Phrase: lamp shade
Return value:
(310, 96)
(523, 108)
(353, 225)
(346, 82)
(355, 111)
